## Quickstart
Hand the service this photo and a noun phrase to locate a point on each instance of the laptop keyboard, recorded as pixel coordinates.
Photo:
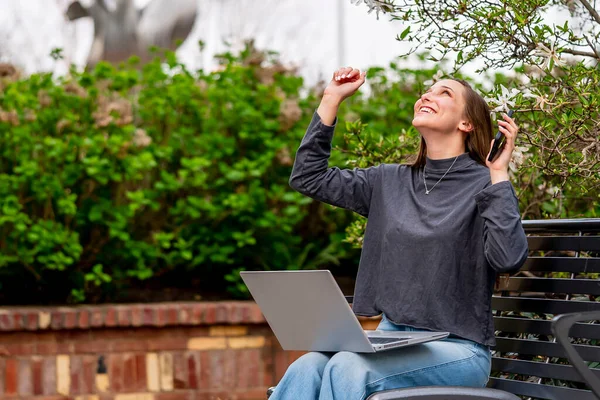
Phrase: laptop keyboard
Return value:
(384, 340)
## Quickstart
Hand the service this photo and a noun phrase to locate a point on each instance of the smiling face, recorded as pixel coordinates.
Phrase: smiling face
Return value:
(451, 118)
(442, 109)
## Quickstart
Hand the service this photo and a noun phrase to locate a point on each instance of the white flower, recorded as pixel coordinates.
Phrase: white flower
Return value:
(503, 102)
(378, 6)
(436, 77)
(549, 54)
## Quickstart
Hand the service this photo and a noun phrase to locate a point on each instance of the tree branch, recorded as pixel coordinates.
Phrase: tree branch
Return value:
(581, 53)
(591, 10)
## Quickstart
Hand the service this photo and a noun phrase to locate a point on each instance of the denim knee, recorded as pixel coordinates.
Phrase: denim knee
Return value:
(345, 370)
(303, 378)
(308, 364)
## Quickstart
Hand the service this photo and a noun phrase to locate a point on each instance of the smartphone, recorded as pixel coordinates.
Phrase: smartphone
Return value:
(498, 140)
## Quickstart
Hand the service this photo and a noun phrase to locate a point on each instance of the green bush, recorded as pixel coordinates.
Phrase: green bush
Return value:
(113, 177)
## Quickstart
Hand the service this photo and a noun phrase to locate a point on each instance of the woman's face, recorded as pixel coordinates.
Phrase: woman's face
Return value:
(441, 108)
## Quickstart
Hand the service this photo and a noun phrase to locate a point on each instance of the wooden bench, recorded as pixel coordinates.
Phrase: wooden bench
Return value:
(559, 277)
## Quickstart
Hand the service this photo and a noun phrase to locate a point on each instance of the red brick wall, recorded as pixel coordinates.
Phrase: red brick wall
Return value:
(171, 351)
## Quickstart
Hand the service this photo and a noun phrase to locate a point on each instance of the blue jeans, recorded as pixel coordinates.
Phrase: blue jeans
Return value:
(353, 376)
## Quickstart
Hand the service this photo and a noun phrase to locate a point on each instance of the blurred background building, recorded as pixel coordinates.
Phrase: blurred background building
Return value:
(315, 35)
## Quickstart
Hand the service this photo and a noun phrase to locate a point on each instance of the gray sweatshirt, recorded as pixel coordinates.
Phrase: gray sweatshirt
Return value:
(428, 261)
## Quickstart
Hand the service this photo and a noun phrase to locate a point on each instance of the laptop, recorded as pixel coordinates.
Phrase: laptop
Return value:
(307, 311)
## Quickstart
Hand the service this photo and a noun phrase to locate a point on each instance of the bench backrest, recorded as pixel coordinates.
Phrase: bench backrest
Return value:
(560, 276)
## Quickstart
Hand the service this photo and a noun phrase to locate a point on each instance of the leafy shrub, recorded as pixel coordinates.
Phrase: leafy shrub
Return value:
(113, 177)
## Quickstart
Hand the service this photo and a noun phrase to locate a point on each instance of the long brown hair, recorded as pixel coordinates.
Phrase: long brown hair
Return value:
(477, 143)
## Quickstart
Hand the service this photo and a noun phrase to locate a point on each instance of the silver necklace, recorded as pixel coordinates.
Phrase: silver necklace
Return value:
(427, 191)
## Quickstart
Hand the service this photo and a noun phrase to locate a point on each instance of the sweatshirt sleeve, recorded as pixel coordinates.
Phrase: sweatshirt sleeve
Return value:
(504, 239)
(349, 189)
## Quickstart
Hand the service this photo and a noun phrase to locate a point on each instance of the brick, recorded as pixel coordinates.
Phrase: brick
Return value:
(96, 317)
(11, 376)
(46, 348)
(20, 349)
(31, 321)
(129, 373)
(248, 369)
(236, 313)
(87, 397)
(247, 342)
(153, 372)
(111, 317)
(185, 315)
(88, 376)
(136, 316)
(70, 319)
(83, 318)
(180, 374)
(176, 396)
(252, 394)
(76, 365)
(224, 330)
(140, 372)
(25, 387)
(18, 320)
(207, 343)
(193, 368)
(160, 316)
(210, 314)
(166, 371)
(36, 376)
(2, 375)
(256, 315)
(164, 344)
(115, 372)
(222, 312)
(135, 396)
(214, 395)
(56, 319)
(122, 346)
(123, 316)
(44, 319)
(229, 369)
(281, 364)
(6, 321)
(49, 376)
(197, 315)
(172, 315)
(65, 347)
(102, 383)
(148, 316)
(89, 347)
(218, 369)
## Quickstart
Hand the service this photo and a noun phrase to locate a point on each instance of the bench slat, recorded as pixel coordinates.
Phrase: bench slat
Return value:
(542, 305)
(554, 371)
(562, 225)
(563, 243)
(540, 391)
(562, 264)
(539, 348)
(553, 285)
(542, 327)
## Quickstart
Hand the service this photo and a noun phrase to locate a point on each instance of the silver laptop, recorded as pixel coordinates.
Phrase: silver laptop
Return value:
(307, 311)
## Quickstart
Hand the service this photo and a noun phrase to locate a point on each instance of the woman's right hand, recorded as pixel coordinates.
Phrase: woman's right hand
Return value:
(344, 83)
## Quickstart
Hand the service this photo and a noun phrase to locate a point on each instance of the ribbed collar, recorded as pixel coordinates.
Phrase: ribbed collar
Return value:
(442, 165)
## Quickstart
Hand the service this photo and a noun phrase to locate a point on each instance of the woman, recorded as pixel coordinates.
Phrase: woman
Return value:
(437, 233)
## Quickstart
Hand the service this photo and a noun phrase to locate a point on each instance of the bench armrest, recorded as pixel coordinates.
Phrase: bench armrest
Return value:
(561, 325)
(443, 393)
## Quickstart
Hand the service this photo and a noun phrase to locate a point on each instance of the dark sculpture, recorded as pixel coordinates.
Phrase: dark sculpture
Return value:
(126, 31)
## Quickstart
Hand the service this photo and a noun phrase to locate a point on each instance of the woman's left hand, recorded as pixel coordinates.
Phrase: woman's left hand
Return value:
(499, 167)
